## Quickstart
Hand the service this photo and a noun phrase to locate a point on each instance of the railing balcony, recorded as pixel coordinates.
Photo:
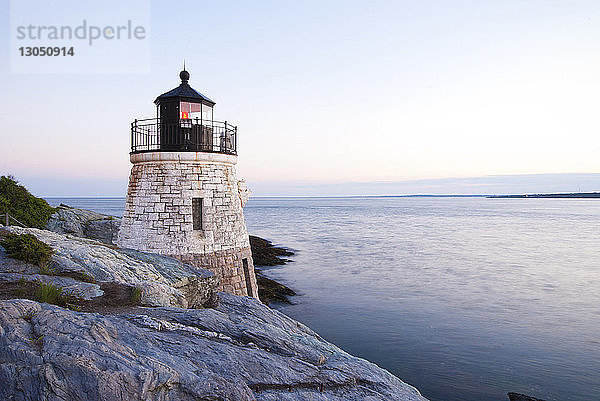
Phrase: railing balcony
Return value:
(185, 135)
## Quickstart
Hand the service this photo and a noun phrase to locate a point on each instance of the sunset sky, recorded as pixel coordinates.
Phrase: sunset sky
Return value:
(337, 94)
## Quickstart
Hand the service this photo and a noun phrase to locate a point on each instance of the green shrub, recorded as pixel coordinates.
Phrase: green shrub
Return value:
(23, 206)
(37, 340)
(136, 295)
(30, 314)
(28, 248)
(47, 269)
(50, 294)
(80, 276)
(56, 295)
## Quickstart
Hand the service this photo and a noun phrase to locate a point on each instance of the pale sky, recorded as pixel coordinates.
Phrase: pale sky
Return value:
(332, 92)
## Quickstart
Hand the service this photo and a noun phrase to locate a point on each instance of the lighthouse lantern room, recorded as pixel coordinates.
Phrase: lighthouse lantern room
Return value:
(184, 123)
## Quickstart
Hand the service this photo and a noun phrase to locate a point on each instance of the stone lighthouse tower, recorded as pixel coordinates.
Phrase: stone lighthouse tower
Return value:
(184, 199)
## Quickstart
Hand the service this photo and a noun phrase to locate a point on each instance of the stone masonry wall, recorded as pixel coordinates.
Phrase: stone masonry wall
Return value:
(228, 266)
(158, 217)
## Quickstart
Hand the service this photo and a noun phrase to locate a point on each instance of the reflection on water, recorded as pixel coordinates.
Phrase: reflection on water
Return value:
(465, 298)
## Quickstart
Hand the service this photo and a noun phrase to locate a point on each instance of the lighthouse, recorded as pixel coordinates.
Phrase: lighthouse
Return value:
(184, 199)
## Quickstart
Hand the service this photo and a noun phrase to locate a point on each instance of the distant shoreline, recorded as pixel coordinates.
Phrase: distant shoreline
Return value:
(578, 195)
(574, 195)
(300, 197)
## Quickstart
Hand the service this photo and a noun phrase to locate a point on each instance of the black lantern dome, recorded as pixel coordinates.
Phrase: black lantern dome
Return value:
(184, 92)
(184, 122)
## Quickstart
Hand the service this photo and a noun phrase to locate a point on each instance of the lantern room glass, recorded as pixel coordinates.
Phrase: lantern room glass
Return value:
(193, 111)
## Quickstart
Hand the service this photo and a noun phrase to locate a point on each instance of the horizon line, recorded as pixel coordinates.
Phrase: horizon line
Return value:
(360, 196)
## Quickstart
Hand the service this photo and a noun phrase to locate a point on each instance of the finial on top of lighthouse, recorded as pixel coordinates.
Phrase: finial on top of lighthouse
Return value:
(184, 75)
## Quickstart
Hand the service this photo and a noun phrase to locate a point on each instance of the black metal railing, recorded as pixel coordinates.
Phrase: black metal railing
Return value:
(186, 135)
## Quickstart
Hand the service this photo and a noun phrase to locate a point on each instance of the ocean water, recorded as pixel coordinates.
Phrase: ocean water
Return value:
(110, 206)
(464, 298)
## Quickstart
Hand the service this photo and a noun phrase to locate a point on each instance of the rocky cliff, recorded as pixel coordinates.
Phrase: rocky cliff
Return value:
(173, 348)
(84, 223)
(242, 350)
(83, 266)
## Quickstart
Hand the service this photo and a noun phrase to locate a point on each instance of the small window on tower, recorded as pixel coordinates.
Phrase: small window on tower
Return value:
(197, 213)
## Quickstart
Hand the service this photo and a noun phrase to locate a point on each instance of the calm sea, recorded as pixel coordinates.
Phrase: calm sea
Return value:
(464, 298)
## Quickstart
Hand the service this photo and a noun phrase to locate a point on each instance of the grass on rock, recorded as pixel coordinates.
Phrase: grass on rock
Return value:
(136, 295)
